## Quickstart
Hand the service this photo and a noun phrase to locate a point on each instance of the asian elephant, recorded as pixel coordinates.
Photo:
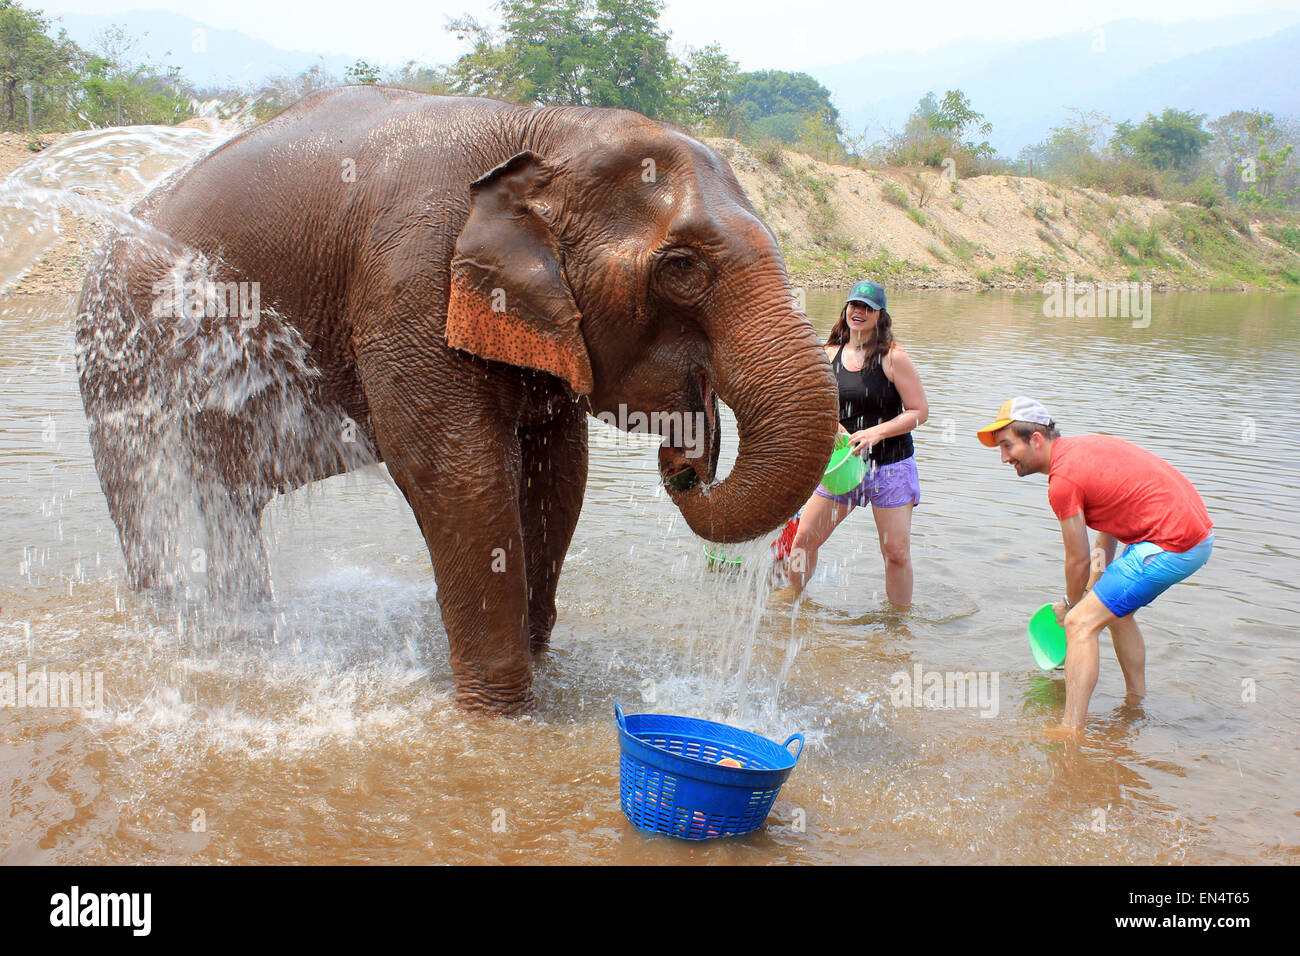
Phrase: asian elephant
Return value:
(450, 286)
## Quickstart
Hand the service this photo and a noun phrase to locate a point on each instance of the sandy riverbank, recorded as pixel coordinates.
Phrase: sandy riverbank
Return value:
(909, 227)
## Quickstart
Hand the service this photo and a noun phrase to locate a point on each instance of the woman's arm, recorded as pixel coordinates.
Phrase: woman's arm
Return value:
(915, 407)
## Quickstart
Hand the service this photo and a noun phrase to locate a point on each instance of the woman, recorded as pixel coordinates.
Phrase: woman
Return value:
(881, 401)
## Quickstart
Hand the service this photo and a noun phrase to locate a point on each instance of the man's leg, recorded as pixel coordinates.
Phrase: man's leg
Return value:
(1132, 656)
(1082, 625)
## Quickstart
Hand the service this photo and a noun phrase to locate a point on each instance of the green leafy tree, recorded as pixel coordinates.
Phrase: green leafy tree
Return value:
(776, 104)
(421, 79)
(1173, 140)
(640, 70)
(33, 66)
(363, 73)
(1073, 150)
(708, 91)
(1253, 155)
(571, 52)
(942, 129)
(819, 136)
(116, 91)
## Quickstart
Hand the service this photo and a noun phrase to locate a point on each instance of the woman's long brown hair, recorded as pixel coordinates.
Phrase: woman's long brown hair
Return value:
(882, 336)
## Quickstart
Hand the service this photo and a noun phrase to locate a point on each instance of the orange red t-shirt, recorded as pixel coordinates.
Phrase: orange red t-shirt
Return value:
(1125, 491)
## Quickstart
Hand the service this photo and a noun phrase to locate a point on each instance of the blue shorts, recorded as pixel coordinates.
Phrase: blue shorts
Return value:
(1144, 572)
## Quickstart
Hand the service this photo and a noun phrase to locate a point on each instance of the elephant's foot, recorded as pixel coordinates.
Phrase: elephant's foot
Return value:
(540, 624)
(499, 699)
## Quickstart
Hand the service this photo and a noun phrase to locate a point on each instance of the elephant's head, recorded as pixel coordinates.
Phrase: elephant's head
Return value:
(624, 258)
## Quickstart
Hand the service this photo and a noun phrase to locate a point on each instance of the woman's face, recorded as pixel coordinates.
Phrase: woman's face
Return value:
(860, 318)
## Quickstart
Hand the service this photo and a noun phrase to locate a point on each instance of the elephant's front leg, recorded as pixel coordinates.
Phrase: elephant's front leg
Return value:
(553, 481)
(467, 505)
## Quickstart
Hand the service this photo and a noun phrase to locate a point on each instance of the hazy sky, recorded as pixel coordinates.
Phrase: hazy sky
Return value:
(772, 34)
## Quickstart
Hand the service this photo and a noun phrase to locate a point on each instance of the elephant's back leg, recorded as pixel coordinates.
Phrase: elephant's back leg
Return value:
(132, 426)
(202, 403)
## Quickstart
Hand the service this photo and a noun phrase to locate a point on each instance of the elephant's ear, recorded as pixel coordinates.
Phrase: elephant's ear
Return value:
(510, 299)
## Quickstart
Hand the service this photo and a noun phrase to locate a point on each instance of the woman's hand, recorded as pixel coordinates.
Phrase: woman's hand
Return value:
(865, 439)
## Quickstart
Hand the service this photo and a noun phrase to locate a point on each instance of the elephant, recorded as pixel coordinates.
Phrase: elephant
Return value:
(448, 286)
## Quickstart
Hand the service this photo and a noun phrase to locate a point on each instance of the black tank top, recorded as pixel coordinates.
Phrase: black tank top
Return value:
(868, 398)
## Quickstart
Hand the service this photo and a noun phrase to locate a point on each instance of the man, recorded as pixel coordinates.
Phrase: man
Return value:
(1124, 493)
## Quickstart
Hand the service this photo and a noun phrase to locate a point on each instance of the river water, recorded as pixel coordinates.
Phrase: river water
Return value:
(323, 730)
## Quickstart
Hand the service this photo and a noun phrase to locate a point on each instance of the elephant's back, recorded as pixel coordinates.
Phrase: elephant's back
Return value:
(306, 189)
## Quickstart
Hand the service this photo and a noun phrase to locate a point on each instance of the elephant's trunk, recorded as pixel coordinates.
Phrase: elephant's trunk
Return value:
(770, 368)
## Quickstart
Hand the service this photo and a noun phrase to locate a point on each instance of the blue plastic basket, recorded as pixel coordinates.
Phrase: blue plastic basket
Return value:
(669, 780)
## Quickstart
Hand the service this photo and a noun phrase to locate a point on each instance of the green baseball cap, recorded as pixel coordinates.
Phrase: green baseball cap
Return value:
(869, 293)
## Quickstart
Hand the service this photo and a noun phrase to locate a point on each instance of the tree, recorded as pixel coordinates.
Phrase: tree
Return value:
(571, 52)
(777, 104)
(31, 64)
(1251, 152)
(363, 73)
(1073, 149)
(936, 130)
(114, 91)
(1172, 141)
(819, 137)
(640, 69)
(708, 91)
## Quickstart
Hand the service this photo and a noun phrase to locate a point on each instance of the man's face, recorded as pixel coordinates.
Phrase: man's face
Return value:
(1026, 456)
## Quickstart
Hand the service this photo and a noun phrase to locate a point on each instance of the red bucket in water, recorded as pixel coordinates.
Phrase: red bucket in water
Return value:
(782, 545)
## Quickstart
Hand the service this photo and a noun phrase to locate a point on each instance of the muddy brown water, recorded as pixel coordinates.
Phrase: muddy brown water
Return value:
(323, 730)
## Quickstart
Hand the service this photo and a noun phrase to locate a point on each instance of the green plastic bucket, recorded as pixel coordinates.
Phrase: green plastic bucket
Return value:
(846, 470)
(718, 557)
(1047, 638)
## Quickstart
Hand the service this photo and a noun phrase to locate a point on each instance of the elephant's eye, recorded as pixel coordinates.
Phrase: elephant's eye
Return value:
(683, 276)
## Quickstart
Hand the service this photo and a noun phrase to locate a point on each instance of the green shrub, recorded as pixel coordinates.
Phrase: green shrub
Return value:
(769, 152)
(1289, 236)
(893, 193)
(963, 249)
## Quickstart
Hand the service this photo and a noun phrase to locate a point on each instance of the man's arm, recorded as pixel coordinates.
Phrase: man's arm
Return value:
(1078, 559)
(1103, 553)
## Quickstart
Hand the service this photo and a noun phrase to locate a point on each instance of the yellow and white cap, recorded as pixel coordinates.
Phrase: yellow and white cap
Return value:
(1018, 409)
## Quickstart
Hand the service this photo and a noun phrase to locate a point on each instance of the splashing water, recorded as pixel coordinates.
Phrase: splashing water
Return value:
(200, 406)
(98, 173)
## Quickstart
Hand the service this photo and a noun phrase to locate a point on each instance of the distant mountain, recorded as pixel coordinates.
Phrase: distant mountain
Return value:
(208, 56)
(1124, 69)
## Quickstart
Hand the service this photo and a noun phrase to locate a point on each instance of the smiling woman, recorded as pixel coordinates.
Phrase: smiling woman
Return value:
(881, 402)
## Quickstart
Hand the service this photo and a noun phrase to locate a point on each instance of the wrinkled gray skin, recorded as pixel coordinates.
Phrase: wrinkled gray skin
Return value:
(450, 286)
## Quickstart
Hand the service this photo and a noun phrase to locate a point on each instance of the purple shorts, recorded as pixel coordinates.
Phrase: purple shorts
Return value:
(885, 486)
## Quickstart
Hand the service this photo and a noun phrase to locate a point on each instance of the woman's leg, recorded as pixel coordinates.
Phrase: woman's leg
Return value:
(820, 517)
(894, 525)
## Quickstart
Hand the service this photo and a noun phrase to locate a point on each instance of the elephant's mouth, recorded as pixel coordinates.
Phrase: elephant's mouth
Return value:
(688, 456)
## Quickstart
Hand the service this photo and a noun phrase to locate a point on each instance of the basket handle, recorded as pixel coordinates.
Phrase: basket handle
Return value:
(786, 745)
(618, 716)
